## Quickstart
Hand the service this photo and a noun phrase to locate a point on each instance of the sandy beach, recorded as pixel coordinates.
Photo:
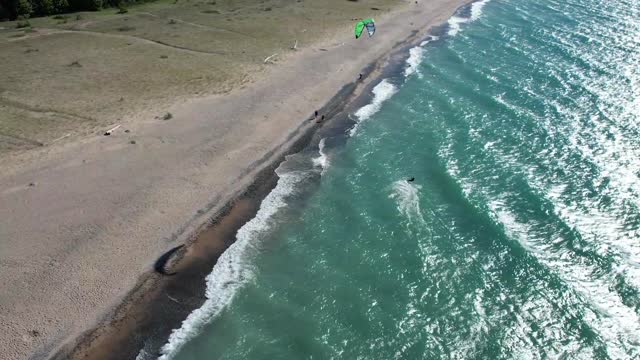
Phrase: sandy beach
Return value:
(83, 221)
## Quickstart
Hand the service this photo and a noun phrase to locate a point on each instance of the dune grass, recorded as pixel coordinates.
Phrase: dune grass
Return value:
(150, 56)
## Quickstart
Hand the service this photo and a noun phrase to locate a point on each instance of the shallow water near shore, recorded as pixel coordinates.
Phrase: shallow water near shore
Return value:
(519, 237)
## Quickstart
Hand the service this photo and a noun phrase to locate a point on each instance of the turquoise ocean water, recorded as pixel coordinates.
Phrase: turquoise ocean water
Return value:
(518, 239)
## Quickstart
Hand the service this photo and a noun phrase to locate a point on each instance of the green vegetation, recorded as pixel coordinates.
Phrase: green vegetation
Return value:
(14, 9)
(161, 54)
(23, 24)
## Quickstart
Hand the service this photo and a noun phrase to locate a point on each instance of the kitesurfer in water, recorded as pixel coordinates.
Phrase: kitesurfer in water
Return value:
(411, 179)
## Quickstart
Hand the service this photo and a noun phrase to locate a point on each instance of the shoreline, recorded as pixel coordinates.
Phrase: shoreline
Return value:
(195, 263)
(146, 307)
(146, 312)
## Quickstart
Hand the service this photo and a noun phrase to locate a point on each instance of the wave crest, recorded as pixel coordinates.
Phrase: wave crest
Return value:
(456, 21)
(234, 267)
(381, 93)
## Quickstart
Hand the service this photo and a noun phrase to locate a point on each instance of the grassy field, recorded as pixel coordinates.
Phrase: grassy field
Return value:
(72, 75)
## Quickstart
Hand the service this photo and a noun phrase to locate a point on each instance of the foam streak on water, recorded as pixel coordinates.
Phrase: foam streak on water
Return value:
(407, 196)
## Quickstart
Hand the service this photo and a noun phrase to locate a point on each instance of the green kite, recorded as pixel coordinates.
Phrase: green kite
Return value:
(367, 23)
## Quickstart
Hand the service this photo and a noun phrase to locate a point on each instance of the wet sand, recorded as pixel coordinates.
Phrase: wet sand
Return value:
(101, 212)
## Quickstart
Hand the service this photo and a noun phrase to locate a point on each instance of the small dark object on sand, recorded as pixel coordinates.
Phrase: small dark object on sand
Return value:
(34, 333)
(411, 180)
(107, 134)
(32, 184)
(315, 114)
(132, 142)
(127, 131)
(359, 76)
(162, 261)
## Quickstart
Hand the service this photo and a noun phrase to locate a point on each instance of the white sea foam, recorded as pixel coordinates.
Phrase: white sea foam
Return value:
(323, 159)
(416, 54)
(234, 267)
(607, 314)
(407, 197)
(454, 24)
(476, 9)
(142, 355)
(415, 57)
(456, 21)
(430, 39)
(381, 92)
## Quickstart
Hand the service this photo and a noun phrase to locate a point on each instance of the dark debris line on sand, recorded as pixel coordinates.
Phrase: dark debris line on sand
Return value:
(160, 264)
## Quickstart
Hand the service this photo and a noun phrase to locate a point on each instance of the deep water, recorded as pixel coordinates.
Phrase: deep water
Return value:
(518, 239)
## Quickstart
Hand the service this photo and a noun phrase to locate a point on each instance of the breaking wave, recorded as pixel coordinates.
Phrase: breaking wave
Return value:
(416, 54)
(415, 57)
(381, 93)
(455, 22)
(235, 267)
(322, 160)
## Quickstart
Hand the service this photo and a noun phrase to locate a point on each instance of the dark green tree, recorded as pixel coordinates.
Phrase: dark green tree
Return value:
(60, 6)
(13, 9)
(4, 12)
(85, 5)
(42, 7)
(23, 8)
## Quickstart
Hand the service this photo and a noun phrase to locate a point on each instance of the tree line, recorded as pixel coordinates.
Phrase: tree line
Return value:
(22, 9)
